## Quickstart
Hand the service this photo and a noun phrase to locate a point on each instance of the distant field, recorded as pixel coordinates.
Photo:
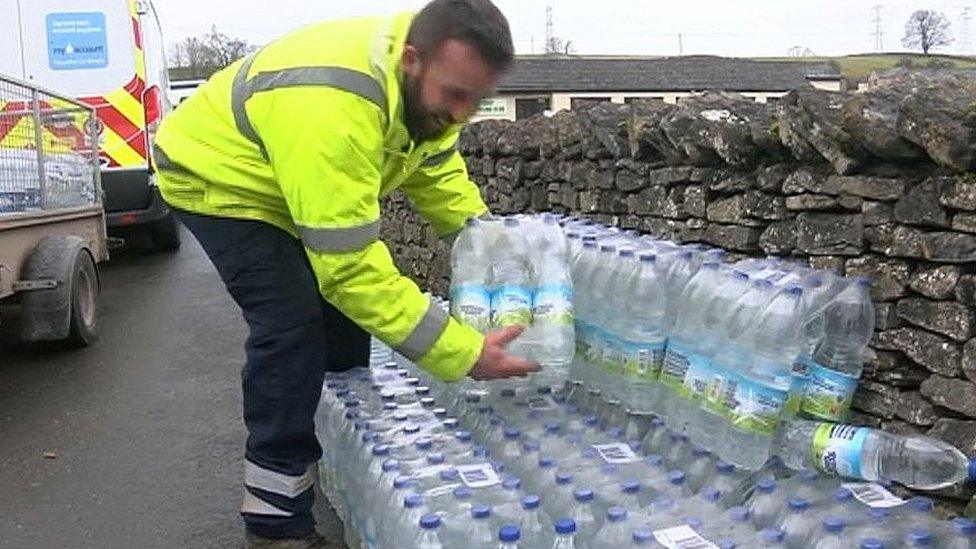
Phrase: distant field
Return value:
(858, 67)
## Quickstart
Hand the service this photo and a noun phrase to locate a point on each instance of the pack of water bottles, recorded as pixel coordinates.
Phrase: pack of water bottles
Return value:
(412, 462)
(515, 271)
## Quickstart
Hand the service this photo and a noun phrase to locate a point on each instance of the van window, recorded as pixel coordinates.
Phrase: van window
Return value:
(80, 48)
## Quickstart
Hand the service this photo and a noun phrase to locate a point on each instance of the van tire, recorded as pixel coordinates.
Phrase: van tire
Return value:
(165, 234)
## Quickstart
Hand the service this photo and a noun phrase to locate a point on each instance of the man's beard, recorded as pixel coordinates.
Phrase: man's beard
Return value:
(421, 124)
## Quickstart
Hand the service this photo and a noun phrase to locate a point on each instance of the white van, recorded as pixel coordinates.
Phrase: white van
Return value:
(109, 54)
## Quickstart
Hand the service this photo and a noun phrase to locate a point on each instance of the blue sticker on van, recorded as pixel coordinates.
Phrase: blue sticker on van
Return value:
(77, 41)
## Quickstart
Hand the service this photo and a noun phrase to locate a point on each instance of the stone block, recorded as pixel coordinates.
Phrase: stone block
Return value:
(896, 240)
(828, 263)
(733, 237)
(921, 206)
(958, 432)
(850, 203)
(876, 399)
(810, 181)
(955, 394)
(959, 193)
(936, 353)
(670, 175)
(965, 222)
(628, 181)
(770, 178)
(912, 407)
(696, 200)
(649, 201)
(937, 116)
(813, 202)
(877, 213)
(727, 210)
(872, 188)
(886, 317)
(949, 247)
(764, 206)
(731, 182)
(966, 290)
(969, 360)
(779, 238)
(936, 282)
(830, 234)
(942, 317)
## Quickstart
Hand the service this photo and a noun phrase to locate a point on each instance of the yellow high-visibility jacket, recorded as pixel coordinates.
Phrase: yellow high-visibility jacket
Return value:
(307, 134)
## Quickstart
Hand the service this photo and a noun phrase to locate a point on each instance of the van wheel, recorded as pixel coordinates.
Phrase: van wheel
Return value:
(165, 234)
(83, 327)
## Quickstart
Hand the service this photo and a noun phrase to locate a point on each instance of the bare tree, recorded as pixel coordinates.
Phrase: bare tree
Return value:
(225, 49)
(926, 29)
(202, 55)
(800, 51)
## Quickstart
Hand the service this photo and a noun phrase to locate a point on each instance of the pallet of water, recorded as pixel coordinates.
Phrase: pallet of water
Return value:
(412, 462)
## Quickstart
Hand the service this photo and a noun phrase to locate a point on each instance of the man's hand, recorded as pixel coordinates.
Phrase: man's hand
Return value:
(495, 362)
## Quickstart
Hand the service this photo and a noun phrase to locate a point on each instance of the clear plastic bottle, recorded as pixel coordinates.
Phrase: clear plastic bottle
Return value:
(960, 535)
(428, 538)
(764, 505)
(641, 337)
(839, 358)
(700, 469)
(551, 335)
(509, 537)
(772, 537)
(532, 523)
(615, 532)
(919, 537)
(642, 537)
(800, 523)
(479, 532)
(565, 534)
(868, 454)
(511, 279)
(582, 513)
(470, 298)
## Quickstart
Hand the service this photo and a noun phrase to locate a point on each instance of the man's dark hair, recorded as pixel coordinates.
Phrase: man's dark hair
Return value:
(477, 23)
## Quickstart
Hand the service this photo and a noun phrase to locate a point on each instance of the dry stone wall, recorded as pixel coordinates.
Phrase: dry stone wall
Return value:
(880, 184)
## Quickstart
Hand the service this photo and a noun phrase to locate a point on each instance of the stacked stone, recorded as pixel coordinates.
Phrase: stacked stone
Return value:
(879, 184)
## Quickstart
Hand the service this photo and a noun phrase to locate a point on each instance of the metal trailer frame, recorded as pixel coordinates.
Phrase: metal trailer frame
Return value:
(47, 229)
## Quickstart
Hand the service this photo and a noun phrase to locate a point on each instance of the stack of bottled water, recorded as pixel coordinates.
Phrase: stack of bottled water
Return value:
(411, 462)
(515, 272)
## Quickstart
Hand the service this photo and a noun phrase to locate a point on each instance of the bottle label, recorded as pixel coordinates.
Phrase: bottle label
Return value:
(675, 366)
(756, 406)
(873, 494)
(799, 376)
(594, 345)
(611, 357)
(471, 304)
(642, 360)
(511, 305)
(720, 393)
(553, 305)
(617, 452)
(682, 537)
(478, 475)
(828, 394)
(582, 333)
(836, 449)
(700, 372)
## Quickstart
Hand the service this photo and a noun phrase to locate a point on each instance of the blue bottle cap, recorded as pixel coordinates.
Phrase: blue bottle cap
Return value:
(739, 513)
(711, 493)
(919, 537)
(654, 460)
(440, 413)
(509, 533)
(451, 423)
(833, 524)
(390, 465)
(657, 422)
(512, 483)
(583, 494)
(472, 398)
(590, 421)
(552, 427)
(423, 443)
(511, 222)
(352, 403)
(564, 478)
(921, 504)
(766, 485)
(402, 482)
(616, 514)
(462, 492)
(435, 458)
(413, 381)
(678, 437)
(463, 436)
(798, 504)
(450, 474)
(411, 429)
(727, 544)
(531, 501)
(388, 406)
(879, 513)
(700, 452)
(429, 522)
(480, 511)
(381, 450)
(412, 501)
(842, 495)
(695, 523)
(872, 543)
(495, 421)
(388, 395)
(642, 536)
(809, 475)
(972, 470)
(724, 468)
(662, 502)
(400, 416)
(511, 433)
(531, 446)
(964, 526)
(630, 487)
(546, 462)
(486, 410)
(508, 393)
(676, 477)
(565, 526)
(615, 432)
(647, 257)
(773, 535)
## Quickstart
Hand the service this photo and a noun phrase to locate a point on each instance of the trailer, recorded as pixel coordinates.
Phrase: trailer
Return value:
(52, 223)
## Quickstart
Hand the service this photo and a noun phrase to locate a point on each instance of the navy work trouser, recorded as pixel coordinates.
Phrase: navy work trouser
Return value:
(295, 337)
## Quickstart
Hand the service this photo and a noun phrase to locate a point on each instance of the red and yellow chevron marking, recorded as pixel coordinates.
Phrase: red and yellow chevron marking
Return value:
(122, 131)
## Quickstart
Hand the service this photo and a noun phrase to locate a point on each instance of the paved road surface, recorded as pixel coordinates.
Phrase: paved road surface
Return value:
(145, 424)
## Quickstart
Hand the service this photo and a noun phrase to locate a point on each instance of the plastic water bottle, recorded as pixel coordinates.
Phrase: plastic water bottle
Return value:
(565, 534)
(772, 537)
(582, 513)
(845, 506)
(676, 487)
(868, 454)
(427, 537)
(509, 536)
(615, 532)
(701, 468)
(871, 543)
(532, 523)
(470, 298)
(642, 537)
(879, 526)
(832, 534)
(799, 523)
(961, 534)
(919, 537)
(551, 335)
(640, 330)
(764, 506)
(839, 359)
(511, 300)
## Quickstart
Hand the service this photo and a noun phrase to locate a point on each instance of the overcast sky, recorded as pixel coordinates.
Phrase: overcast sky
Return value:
(649, 27)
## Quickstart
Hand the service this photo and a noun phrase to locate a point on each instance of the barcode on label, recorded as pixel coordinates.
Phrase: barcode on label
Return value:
(682, 537)
(617, 452)
(873, 495)
(478, 475)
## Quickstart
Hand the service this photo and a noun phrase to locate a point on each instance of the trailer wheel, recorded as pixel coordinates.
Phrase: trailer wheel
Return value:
(83, 329)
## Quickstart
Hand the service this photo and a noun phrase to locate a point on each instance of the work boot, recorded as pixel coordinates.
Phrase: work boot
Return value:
(310, 541)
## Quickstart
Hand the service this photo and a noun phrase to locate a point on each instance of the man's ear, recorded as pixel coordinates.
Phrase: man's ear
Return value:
(410, 60)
